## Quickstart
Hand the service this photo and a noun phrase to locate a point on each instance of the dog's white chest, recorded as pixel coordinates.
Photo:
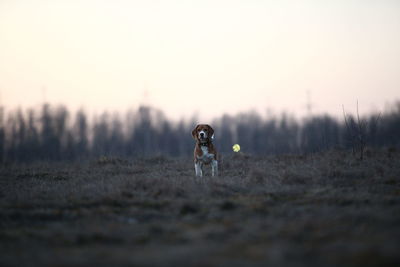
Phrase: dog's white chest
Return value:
(205, 157)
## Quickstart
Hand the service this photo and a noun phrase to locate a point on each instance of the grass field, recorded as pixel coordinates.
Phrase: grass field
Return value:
(326, 209)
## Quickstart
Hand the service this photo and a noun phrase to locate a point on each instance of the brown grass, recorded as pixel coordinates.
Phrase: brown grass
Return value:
(325, 209)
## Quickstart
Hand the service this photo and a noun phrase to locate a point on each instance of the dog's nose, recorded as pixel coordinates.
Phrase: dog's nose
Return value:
(201, 134)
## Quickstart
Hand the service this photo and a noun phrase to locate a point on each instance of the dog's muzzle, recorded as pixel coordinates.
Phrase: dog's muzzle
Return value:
(202, 135)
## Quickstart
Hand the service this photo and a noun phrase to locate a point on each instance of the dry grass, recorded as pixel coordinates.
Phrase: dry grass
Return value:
(317, 210)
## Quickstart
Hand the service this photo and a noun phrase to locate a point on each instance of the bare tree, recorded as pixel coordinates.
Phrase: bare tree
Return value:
(357, 130)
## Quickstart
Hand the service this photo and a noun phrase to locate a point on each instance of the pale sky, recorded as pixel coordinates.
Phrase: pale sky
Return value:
(200, 57)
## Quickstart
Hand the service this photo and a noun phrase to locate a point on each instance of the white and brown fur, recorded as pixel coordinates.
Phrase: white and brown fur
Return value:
(204, 151)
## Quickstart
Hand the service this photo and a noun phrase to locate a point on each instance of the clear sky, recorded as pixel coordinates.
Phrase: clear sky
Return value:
(200, 57)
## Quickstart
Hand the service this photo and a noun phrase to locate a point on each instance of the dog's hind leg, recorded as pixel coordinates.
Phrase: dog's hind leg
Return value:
(214, 168)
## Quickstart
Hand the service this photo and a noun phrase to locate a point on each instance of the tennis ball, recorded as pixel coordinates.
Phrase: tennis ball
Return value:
(236, 148)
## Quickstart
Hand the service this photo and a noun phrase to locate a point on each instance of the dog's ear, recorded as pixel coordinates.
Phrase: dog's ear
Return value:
(194, 132)
(210, 130)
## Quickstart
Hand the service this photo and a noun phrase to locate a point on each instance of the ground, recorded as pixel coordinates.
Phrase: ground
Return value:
(325, 209)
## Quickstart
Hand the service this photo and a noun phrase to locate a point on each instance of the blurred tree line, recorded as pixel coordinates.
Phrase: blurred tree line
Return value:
(53, 133)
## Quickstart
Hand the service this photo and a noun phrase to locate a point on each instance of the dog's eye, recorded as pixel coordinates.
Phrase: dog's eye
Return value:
(205, 130)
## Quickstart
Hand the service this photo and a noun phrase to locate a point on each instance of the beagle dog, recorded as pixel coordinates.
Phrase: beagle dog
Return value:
(204, 151)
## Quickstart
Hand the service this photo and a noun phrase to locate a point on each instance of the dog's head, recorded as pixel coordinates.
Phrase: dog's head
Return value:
(203, 133)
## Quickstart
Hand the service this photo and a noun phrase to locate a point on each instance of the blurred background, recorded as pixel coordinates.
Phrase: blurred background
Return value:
(82, 79)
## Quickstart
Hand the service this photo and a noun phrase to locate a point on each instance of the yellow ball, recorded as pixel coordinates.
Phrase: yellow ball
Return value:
(236, 148)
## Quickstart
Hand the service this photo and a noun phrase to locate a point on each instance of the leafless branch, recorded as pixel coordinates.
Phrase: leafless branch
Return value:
(357, 133)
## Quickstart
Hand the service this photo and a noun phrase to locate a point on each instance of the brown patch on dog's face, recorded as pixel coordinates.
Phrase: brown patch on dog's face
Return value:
(202, 132)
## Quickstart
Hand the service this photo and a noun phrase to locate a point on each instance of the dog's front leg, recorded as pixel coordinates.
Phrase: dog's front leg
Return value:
(198, 169)
(214, 167)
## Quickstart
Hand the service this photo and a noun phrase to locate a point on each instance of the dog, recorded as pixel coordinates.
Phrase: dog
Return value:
(204, 150)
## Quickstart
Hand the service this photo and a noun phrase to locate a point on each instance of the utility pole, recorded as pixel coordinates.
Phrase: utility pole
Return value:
(309, 104)
(44, 91)
(146, 95)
